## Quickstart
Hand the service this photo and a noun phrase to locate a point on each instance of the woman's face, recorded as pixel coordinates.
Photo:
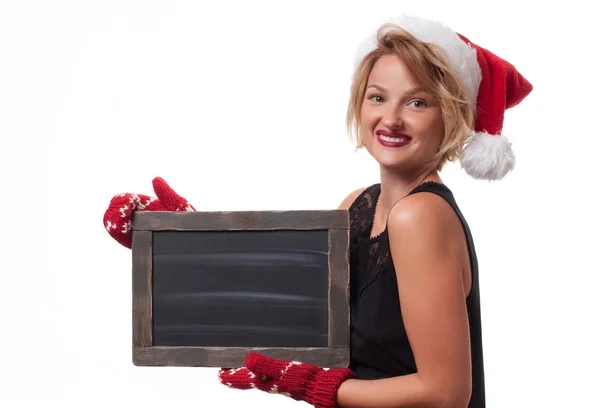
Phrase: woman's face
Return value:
(401, 125)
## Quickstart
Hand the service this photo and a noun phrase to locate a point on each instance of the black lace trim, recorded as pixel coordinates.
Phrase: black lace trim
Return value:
(370, 256)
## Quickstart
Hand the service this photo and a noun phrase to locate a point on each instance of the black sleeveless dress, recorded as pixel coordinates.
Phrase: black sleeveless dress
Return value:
(379, 346)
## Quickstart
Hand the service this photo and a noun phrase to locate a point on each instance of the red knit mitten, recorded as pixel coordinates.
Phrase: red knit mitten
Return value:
(300, 381)
(118, 216)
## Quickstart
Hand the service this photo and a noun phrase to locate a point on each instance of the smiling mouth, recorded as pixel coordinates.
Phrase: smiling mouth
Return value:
(393, 141)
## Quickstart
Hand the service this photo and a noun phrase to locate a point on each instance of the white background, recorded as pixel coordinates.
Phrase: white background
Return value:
(240, 105)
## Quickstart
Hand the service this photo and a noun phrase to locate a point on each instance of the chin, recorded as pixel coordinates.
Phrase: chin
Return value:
(398, 165)
(389, 158)
(403, 162)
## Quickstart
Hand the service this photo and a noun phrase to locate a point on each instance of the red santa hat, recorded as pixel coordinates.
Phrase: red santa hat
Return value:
(493, 85)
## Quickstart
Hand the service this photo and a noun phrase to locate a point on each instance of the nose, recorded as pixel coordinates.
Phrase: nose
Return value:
(392, 118)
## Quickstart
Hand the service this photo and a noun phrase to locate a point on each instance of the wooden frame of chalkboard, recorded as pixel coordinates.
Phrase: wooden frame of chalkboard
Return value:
(171, 239)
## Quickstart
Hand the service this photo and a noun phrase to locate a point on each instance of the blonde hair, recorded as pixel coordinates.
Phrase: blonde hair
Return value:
(427, 62)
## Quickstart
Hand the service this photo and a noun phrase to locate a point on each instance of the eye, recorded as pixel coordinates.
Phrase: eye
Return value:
(418, 103)
(376, 98)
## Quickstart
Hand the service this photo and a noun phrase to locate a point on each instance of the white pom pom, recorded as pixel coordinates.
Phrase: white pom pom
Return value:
(487, 157)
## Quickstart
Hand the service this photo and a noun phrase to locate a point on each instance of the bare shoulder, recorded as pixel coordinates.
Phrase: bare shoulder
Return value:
(425, 215)
(350, 198)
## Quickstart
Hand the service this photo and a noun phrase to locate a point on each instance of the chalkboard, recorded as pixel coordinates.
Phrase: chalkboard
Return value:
(240, 289)
(209, 287)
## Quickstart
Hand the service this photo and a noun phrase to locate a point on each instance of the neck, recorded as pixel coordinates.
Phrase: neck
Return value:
(396, 185)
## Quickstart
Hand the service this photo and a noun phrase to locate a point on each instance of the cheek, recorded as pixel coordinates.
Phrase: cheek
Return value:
(364, 118)
(366, 123)
(437, 128)
(428, 125)
(367, 114)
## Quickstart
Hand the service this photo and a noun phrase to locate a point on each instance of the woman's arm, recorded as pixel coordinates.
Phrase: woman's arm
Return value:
(428, 247)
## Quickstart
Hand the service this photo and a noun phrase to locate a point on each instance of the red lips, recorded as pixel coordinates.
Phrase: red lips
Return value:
(388, 143)
(392, 134)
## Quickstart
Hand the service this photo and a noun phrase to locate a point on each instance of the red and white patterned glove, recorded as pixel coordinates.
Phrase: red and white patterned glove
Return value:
(118, 216)
(300, 381)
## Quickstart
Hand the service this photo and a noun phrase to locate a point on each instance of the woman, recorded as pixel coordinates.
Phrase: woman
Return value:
(418, 93)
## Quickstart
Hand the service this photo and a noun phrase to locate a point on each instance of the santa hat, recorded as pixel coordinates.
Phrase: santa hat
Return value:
(493, 85)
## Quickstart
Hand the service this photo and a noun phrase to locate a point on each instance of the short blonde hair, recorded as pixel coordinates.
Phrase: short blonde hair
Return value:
(427, 62)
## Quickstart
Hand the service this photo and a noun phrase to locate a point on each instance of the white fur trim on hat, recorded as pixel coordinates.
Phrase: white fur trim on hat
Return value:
(461, 56)
(487, 157)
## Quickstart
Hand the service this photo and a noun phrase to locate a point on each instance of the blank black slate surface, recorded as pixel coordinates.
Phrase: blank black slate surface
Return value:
(240, 288)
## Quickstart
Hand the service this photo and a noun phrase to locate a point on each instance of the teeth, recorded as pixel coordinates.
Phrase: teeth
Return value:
(393, 139)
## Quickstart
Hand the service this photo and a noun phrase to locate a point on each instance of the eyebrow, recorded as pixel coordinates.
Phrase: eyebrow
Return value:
(411, 91)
